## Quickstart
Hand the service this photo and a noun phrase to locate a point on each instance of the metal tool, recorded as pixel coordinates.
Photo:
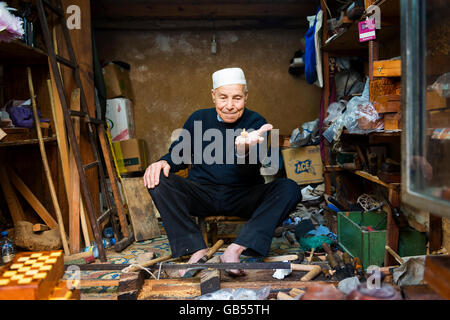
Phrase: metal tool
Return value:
(191, 272)
(225, 265)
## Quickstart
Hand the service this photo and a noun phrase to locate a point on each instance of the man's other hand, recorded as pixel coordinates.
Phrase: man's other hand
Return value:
(151, 176)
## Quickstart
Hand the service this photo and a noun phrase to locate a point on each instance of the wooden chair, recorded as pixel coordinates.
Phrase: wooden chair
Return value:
(212, 221)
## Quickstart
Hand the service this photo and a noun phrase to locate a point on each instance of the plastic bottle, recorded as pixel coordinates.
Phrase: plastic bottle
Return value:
(106, 244)
(7, 246)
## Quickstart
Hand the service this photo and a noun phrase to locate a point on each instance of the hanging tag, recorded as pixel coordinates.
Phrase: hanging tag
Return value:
(367, 30)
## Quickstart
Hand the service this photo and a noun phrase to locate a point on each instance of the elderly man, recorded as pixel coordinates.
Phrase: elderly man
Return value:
(233, 188)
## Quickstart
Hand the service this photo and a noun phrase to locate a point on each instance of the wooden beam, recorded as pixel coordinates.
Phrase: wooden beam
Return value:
(206, 9)
(13, 202)
(31, 199)
(75, 200)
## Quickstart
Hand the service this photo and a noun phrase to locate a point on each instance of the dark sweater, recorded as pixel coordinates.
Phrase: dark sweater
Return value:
(218, 173)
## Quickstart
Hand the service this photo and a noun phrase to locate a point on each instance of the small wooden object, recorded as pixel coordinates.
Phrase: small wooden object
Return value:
(31, 275)
(313, 270)
(387, 68)
(295, 292)
(38, 227)
(388, 103)
(284, 296)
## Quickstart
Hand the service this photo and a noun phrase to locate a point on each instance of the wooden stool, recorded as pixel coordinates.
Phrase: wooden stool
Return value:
(212, 221)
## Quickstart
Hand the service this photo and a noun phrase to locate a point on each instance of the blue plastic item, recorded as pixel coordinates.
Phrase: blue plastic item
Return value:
(310, 53)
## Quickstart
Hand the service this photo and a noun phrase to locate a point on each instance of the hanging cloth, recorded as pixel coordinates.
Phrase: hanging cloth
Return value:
(310, 53)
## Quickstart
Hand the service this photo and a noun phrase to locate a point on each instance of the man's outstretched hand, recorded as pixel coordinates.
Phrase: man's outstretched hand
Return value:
(247, 139)
(153, 171)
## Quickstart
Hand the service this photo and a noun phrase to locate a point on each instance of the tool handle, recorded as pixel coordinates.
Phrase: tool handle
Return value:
(327, 248)
(312, 274)
(214, 249)
(395, 255)
(303, 267)
(153, 261)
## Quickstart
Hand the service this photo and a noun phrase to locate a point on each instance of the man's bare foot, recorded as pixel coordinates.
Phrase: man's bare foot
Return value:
(232, 255)
(193, 259)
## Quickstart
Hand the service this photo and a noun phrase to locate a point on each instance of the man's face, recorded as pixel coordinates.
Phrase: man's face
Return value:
(230, 101)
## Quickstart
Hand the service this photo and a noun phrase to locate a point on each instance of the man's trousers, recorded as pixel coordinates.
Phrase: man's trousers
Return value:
(266, 206)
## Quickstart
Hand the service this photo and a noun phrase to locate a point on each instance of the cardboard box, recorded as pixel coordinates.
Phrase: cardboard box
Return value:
(119, 115)
(303, 165)
(117, 82)
(131, 155)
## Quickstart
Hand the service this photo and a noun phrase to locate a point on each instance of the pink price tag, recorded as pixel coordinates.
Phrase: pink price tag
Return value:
(367, 30)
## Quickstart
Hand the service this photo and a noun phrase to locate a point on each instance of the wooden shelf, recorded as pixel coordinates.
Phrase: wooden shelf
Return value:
(363, 174)
(377, 180)
(25, 142)
(383, 133)
(17, 52)
(347, 43)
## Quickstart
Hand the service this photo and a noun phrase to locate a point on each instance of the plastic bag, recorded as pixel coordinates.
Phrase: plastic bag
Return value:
(442, 85)
(361, 116)
(237, 294)
(335, 111)
(299, 139)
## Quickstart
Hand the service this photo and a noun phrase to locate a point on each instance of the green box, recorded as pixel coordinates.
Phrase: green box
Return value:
(368, 246)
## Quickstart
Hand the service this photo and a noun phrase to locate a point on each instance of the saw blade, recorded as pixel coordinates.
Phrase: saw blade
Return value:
(226, 265)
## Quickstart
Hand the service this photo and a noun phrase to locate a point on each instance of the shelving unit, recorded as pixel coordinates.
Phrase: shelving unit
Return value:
(347, 44)
(21, 151)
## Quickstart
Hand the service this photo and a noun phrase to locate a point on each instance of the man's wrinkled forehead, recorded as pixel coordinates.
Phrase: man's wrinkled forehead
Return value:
(232, 89)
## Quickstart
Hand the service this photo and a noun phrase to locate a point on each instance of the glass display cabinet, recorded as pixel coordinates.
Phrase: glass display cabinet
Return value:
(426, 110)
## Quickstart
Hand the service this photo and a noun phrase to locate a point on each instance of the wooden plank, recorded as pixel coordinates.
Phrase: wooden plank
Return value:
(32, 200)
(143, 219)
(74, 203)
(109, 161)
(437, 274)
(46, 166)
(387, 68)
(392, 230)
(14, 206)
(130, 285)
(82, 45)
(210, 279)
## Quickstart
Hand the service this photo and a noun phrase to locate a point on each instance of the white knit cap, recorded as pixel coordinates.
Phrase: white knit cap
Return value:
(228, 76)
